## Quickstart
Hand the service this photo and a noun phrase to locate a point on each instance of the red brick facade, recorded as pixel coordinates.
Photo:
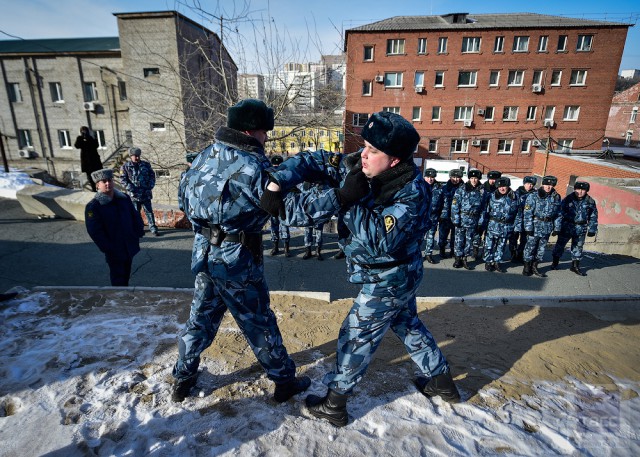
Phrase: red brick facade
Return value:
(623, 127)
(592, 97)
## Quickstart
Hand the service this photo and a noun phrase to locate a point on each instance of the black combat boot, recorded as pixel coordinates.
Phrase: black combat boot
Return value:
(307, 254)
(458, 262)
(488, 266)
(287, 253)
(497, 267)
(465, 264)
(319, 254)
(555, 262)
(575, 267)
(429, 259)
(443, 254)
(332, 407)
(441, 385)
(276, 248)
(182, 387)
(285, 391)
(339, 255)
(534, 269)
(527, 269)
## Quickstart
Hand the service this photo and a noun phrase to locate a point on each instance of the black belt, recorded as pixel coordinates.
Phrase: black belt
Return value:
(382, 265)
(544, 219)
(497, 220)
(579, 223)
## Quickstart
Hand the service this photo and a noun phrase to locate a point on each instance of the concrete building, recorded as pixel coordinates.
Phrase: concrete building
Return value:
(623, 126)
(630, 74)
(251, 86)
(487, 88)
(163, 84)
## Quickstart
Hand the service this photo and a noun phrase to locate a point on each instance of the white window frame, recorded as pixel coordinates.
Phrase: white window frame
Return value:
(397, 79)
(537, 77)
(578, 78)
(364, 53)
(359, 119)
(489, 113)
(485, 145)
(585, 43)
(549, 113)
(436, 113)
(422, 45)
(543, 43)
(15, 94)
(471, 44)
(56, 92)
(443, 41)
(439, 74)
(521, 43)
(367, 88)
(634, 115)
(498, 44)
(395, 46)
(494, 74)
(505, 146)
(416, 113)
(418, 78)
(565, 144)
(510, 113)
(90, 91)
(391, 109)
(556, 78)
(525, 146)
(157, 126)
(473, 78)
(515, 78)
(571, 113)
(65, 139)
(459, 146)
(433, 146)
(562, 43)
(531, 112)
(463, 113)
(102, 143)
(24, 139)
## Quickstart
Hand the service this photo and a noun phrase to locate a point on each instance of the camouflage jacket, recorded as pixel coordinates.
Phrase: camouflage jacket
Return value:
(579, 215)
(466, 205)
(542, 213)
(500, 213)
(138, 179)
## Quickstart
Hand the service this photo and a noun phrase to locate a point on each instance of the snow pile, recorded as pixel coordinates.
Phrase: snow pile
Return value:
(12, 182)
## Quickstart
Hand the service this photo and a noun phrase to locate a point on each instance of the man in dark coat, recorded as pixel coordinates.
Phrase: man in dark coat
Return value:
(89, 157)
(115, 226)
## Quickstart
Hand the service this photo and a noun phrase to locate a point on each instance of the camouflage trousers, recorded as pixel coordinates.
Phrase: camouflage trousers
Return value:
(279, 231)
(493, 248)
(577, 243)
(313, 235)
(148, 211)
(375, 310)
(463, 241)
(534, 249)
(445, 230)
(430, 238)
(248, 302)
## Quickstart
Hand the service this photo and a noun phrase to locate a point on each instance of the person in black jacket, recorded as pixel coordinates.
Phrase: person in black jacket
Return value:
(89, 157)
(115, 226)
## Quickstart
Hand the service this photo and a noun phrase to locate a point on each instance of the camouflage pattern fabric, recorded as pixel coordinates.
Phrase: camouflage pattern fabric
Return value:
(446, 225)
(138, 179)
(279, 231)
(542, 216)
(466, 207)
(498, 218)
(435, 209)
(579, 217)
(518, 238)
(313, 235)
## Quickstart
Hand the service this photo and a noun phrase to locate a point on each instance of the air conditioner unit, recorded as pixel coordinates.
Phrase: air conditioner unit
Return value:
(379, 78)
(27, 154)
(536, 88)
(475, 142)
(468, 123)
(549, 123)
(419, 89)
(480, 112)
(89, 106)
(537, 143)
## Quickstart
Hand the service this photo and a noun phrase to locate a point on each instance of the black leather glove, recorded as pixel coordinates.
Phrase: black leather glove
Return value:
(272, 203)
(554, 233)
(457, 225)
(591, 234)
(356, 186)
(529, 232)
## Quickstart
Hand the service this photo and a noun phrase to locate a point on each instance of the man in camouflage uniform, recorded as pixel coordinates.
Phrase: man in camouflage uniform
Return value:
(518, 238)
(542, 218)
(385, 202)
(138, 179)
(279, 231)
(579, 219)
(489, 186)
(221, 197)
(446, 227)
(466, 208)
(497, 218)
(313, 235)
(435, 209)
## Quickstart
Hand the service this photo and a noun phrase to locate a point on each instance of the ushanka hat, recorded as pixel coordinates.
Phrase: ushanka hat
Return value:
(530, 179)
(392, 134)
(475, 173)
(455, 173)
(549, 181)
(494, 174)
(503, 182)
(102, 175)
(250, 114)
(581, 185)
(430, 173)
(135, 152)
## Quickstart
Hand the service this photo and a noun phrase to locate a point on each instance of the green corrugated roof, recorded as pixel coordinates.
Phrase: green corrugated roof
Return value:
(60, 45)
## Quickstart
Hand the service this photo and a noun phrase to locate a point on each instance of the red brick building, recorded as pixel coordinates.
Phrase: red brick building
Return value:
(488, 88)
(623, 128)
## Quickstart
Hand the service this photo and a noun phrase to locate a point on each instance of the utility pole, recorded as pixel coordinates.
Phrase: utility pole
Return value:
(546, 152)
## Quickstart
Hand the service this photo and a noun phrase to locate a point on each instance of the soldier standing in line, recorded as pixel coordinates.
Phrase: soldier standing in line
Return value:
(435, 209)
(313, 235)
(139, 179)
(518, 238)
(579, 219)
(542, 218)
(466, 207)
(498, 217)
(446, 227)
(489, 187)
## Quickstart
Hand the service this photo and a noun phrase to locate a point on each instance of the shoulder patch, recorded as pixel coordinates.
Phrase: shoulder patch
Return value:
(527, 207)
(89, 213)
(334, 161)
(389, 223)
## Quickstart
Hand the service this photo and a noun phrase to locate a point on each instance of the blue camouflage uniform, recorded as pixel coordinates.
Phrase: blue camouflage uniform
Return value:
(579, 217)
(383, 255)
(518, 238)
(138, 179)
(542, 216)
(279, 231)
(497, 219)
(446, 227)
(435, 209)
(222, 190)
(466, 207)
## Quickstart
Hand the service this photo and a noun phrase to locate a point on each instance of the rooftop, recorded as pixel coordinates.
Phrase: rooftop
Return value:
(60, 45)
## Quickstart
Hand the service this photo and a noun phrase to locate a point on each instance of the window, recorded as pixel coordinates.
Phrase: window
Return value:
(151, 72)
(90, 91)
(64, 138)
(395, 46)
(584, 43)
(442, 45)
(157, 127)
(494, 78)
(463, 113)
(488, 113)
(15, 94)
(367, 88)
(161, 173)
(24, 139)
(418, 79)
(422, 45)
(292, 145)
(531, 113)
(471, 44)
(435, 113)
(510, 113)
(391, 109)
(393, 80)
(525, 145)
(498, 45)
(565, 145)
(556, 77)
(433, 146)
(417, 113)
(634, 115)
(571, 113)
(578, 77)
(359, 119)
(56, 92)
(122, 89)
(102, 144)
(543, 43)
(505, 146)
(537, 77)
(439, 82)
(467, 78)
(368, 53)
(484, 146)
(520, 44)
(562, 43)
(515, 78)
(549, 113)
(459, 145)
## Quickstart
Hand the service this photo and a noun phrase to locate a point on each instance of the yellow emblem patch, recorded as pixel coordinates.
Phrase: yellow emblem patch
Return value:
(89, 213)
(389, 223)
(334, 161)
(527, 207)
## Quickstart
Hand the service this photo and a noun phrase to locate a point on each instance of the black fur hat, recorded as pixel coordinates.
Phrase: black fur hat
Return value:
(530, 179)
(549, 181)
(475, 173)
(581, 185)
(430, 173)
(250, 114)
(494, 174)
(455, 173)
(392, 134)
(503, 182)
